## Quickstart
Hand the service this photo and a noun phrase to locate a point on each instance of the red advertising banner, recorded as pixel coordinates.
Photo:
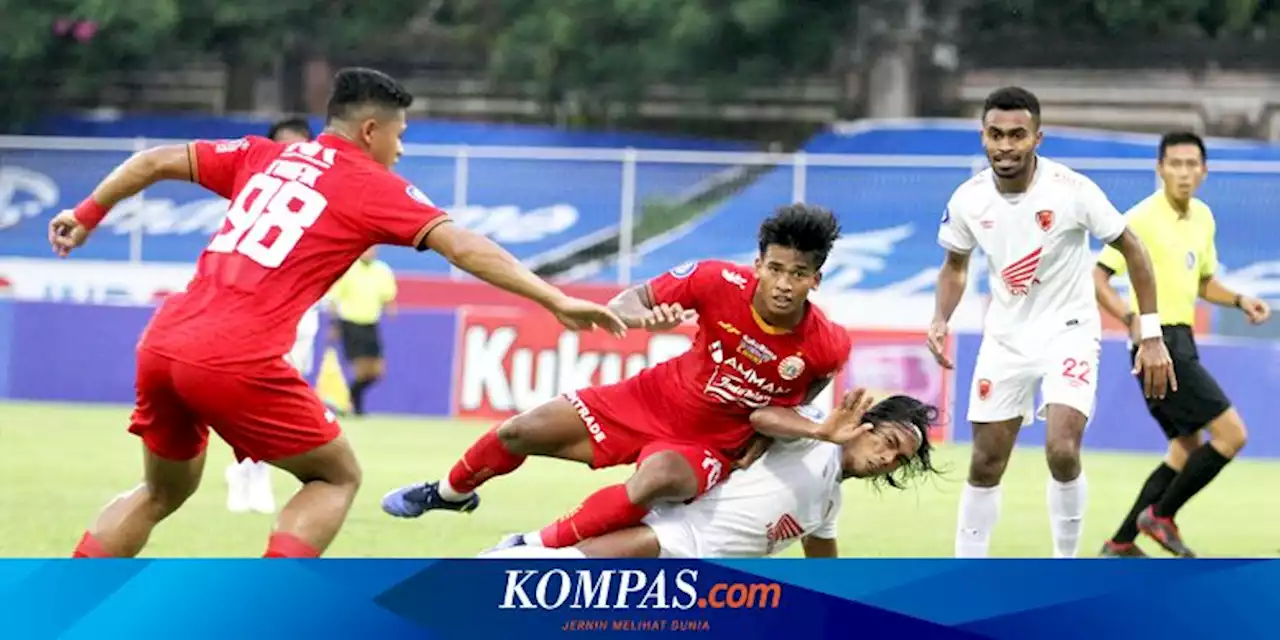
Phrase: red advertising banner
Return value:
(510, 361)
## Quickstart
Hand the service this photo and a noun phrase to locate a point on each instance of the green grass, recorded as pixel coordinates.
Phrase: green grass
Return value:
(60, 463)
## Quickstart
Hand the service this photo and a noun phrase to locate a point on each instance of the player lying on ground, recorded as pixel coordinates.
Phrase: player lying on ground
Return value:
(761, 349)
(792, 493)
(300, 214)
(1032, 217)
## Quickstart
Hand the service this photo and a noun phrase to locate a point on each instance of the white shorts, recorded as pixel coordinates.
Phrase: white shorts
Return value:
(1005, 379)
(677, 535)
(303, 354)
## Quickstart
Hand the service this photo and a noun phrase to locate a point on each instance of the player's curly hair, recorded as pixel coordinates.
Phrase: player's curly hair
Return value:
(355, 87)
(805, 228)
(907, 411)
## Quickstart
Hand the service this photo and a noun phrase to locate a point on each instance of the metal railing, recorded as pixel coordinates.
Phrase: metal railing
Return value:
(620, 186)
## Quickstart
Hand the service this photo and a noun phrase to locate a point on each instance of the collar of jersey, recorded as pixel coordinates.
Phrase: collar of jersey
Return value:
(766, 327)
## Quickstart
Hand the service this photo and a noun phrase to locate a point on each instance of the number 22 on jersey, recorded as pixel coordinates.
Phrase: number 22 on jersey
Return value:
(284, 202)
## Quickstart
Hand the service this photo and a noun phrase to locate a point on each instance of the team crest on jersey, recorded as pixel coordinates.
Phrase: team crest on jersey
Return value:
(684, 271)
(1044, 218)
(418, 195)
(753, 350)
(791, 367)
(984, 389)
(1191, 259)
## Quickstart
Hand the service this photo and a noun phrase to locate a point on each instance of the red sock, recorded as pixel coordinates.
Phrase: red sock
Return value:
(89, 547)
(607, 510)
(487, 458)
(286, 545)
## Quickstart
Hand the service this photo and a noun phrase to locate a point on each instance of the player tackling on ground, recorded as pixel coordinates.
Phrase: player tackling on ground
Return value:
(300, 214)
(761, 348)
(792, 493)
(1033, 217)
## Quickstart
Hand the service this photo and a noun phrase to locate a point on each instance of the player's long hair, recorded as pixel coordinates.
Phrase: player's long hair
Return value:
(908, 411)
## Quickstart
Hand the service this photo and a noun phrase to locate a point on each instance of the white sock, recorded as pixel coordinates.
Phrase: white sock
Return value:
(531, 552)
(1066, 514)
(449, 493)
(979, 511)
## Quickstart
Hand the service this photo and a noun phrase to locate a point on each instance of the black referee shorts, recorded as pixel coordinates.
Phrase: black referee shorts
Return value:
(1198, 400)
(360, 340)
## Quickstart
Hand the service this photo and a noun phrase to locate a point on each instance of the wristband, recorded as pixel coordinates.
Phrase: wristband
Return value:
(89, 213)
(1149, 326)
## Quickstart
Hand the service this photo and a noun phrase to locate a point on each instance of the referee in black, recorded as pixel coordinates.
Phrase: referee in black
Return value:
(1178, 230)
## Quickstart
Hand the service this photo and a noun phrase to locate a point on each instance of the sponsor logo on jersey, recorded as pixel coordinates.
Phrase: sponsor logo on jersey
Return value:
(791, 367)
(230, 146)
(753, 350)
(417, 195)
(786, 528)
(1044, 218)
(729, 328)
(984, 389)
(683, 271)
(736, 279)
(1019, 276)
(736, 381)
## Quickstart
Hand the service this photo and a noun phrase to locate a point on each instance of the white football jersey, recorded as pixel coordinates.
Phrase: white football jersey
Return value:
(1037, 249)
(792, 491)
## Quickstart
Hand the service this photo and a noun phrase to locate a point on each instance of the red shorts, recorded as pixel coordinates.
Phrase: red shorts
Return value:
(269, 413)
(622, 432)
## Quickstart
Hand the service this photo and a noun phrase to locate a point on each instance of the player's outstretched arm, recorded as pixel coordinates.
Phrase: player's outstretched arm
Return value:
(71, 228)
(843, 424)
(636, 308)
(815, 547)
(485, 259)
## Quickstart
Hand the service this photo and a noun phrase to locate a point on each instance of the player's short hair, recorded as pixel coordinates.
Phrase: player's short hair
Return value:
(296, 125)
(1012, 99)
(914, 414)
(357, 87)
(1175, 138)
(805, 228)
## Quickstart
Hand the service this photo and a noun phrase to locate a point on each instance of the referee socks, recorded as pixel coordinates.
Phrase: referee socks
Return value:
(1202, 467)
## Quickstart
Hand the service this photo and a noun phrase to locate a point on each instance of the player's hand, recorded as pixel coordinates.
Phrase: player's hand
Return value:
(937, 342)
(1257, 311)
(1153, 363)
(66, 233)
(844, 424)
(755, 448)
(665, 317)
(583, 315)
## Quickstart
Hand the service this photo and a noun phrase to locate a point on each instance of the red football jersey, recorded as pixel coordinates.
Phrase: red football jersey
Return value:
(737, 363)
(300, 215)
